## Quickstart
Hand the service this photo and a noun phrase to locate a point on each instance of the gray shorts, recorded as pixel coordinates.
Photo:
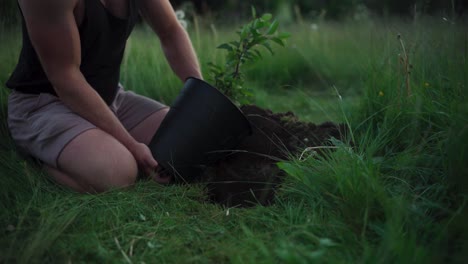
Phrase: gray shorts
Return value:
(41, 125)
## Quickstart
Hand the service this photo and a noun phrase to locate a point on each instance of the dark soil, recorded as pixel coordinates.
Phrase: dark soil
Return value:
(251, 176)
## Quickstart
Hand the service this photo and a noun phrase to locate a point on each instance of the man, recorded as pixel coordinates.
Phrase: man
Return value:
(67, 108)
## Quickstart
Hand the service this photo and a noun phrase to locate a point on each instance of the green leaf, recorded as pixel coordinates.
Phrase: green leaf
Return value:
(266, 17)
(235, 43)
(259, 40)
(268, 47)
(290, 168)
(215, 67)
(284, 35)
(258, 24)
(258, 54)
(278, 41)
(254, 12)
(244, 32)
(273, 27)
(254, 32)
(248, 56)
(225, 46)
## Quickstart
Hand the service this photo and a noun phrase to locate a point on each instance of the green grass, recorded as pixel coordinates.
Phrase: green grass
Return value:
(397, 194)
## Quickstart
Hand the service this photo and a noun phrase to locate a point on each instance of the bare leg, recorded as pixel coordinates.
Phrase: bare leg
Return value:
(95, 162)
(145, 130)
(64, 180)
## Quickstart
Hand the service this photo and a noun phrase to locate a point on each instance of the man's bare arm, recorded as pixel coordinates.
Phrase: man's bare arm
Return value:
(54, 34)
(174, 39)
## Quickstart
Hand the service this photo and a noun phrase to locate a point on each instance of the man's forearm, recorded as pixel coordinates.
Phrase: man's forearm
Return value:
(80, 97)
(180, 54)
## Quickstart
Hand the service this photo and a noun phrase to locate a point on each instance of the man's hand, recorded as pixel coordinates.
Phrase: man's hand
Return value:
(143, 157)
(147, 163)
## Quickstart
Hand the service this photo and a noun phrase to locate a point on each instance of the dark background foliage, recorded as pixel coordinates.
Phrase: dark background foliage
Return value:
(8, 11)
(333, 9)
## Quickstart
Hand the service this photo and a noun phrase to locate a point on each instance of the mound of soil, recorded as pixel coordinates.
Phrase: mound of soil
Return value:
(250, 176)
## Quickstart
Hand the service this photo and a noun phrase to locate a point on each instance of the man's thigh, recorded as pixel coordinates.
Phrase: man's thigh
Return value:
(145, 130)
(41, 125)
(133, 109)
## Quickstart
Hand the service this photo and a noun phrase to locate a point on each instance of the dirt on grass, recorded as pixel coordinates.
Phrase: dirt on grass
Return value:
(250, 175)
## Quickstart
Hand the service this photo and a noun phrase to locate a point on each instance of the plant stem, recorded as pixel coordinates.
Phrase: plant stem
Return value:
(406, 66)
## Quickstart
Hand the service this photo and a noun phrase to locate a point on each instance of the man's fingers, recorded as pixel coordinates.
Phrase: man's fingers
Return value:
(149, 172)
(154, 163)
(159, 179)
(150, 164)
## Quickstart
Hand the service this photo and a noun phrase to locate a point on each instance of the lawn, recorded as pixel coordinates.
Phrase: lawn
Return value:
(395, 192)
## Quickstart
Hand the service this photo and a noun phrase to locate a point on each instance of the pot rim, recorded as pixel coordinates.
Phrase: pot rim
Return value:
(223, 95)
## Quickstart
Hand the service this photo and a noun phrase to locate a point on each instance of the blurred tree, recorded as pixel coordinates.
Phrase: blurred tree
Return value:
(232, 6)
(334, 8)
(404, 7)
(9, 13)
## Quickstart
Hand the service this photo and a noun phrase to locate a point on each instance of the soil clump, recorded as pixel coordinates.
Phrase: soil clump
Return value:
(249, 175)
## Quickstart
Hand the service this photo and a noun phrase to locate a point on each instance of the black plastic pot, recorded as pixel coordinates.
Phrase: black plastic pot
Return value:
(199, 129)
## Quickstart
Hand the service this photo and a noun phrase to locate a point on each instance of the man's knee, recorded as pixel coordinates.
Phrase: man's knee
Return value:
(120, 173)
(98, 162)
(99, 180)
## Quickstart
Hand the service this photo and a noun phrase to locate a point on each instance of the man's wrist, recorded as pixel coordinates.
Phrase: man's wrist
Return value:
(196, 76)
(131, 144)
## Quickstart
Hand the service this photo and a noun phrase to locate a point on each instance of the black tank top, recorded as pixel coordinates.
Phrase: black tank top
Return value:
(103, 38)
